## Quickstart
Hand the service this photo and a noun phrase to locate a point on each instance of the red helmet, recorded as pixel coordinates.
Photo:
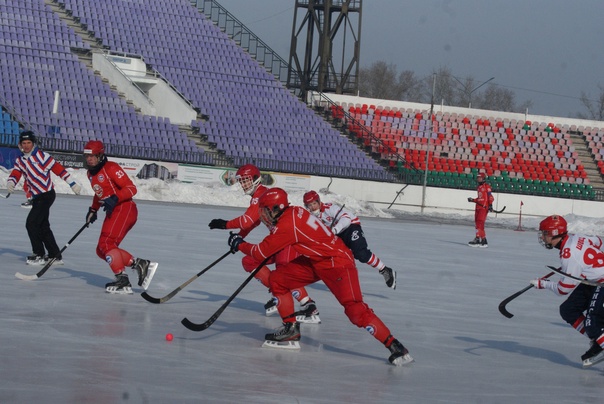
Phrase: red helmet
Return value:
(552, 226)
(311, 196)
(272, 203)
(249, 178)
(481, 177)
(94, 147)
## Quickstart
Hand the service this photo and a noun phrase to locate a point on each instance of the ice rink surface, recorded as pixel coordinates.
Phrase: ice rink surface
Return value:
(64, 340)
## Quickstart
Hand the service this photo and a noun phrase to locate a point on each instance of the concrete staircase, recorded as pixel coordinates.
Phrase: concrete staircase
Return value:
(589, 164)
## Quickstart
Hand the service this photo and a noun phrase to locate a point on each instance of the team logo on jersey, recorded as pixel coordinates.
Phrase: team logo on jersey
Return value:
(98, 190)
(101, 178)
(296, 294)
(370, 329)
(355, 236)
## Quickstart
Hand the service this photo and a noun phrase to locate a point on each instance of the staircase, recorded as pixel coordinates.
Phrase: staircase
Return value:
(589, 164)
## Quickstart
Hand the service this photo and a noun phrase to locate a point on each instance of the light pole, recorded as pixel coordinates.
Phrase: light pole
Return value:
(470, 105)
(471, 92)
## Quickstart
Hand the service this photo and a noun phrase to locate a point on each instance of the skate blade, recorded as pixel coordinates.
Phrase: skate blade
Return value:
(587, 363)
(288, 345)
(403, 360)
(271, 311)
(393, 281)
(150, 272)
(115, 291)
(314, 319)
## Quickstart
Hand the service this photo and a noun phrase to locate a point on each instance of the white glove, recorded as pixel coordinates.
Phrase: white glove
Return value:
(76, 188)
(540, 283)
(10, 187)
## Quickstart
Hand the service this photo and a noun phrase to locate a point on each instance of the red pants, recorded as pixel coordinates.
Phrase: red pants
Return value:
(480, 218)
(115, 228)
(282, 257)
(342, 282)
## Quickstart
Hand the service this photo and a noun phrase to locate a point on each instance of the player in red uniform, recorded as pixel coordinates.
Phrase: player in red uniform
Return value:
(113, 190)
(249, 178)
(484, 205)
(323, 257)
(581, 257)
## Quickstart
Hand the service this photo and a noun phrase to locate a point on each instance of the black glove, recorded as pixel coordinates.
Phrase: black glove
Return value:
(109, 204)
(91, 215)
(218, 224)
(490, 208)
(470, 199)
(234, 240)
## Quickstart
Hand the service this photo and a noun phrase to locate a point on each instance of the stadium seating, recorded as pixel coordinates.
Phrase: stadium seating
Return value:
(37, 61)
(518, 156)
(251, 116)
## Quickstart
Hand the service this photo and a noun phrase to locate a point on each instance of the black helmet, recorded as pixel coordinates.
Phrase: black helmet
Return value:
(27, 135)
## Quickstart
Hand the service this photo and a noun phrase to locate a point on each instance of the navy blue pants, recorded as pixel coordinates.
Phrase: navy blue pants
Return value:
(38, 226)
(354, 239)
(588, 300)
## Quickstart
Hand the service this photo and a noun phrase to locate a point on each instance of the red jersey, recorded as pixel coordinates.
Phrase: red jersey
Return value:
(307, 235)
(251, 217)
(485, 197)
(111, 180)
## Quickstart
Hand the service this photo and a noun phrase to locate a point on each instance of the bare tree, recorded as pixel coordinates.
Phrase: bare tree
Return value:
(497, 99)
(379, 81)
(382, 81)
(444, 90)
(595, 108)
(412, 89)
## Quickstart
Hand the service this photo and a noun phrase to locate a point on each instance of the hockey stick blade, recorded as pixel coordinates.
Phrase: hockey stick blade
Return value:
(200, 327)
(52, 260)
(502, 306)
(170, 295)
(589, 282)
(499, 211)
(4, 196)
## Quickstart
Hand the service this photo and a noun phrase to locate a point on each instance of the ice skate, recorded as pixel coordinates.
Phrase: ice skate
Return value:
(26, 204)
(389, 276)
(35, 260)
(121, 285)
(270, 307)
(400, 355)
(483, 243)
(287, 337)
(475, 242)
(594, 355)
(145, 270)
(308, 313)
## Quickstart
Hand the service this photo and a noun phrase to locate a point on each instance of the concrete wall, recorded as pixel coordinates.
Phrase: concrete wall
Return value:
(417, 199)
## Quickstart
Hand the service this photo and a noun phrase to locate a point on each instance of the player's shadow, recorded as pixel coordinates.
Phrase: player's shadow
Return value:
(515, 347)
(256, 332)
(457, 243)
(89, 277)
(18, 253)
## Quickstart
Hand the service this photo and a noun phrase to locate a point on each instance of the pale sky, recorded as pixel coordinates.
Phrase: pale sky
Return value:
(547, 51)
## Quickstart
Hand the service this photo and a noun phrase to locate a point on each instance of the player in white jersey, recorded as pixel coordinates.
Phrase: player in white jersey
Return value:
(581, 257)
(346, 225)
